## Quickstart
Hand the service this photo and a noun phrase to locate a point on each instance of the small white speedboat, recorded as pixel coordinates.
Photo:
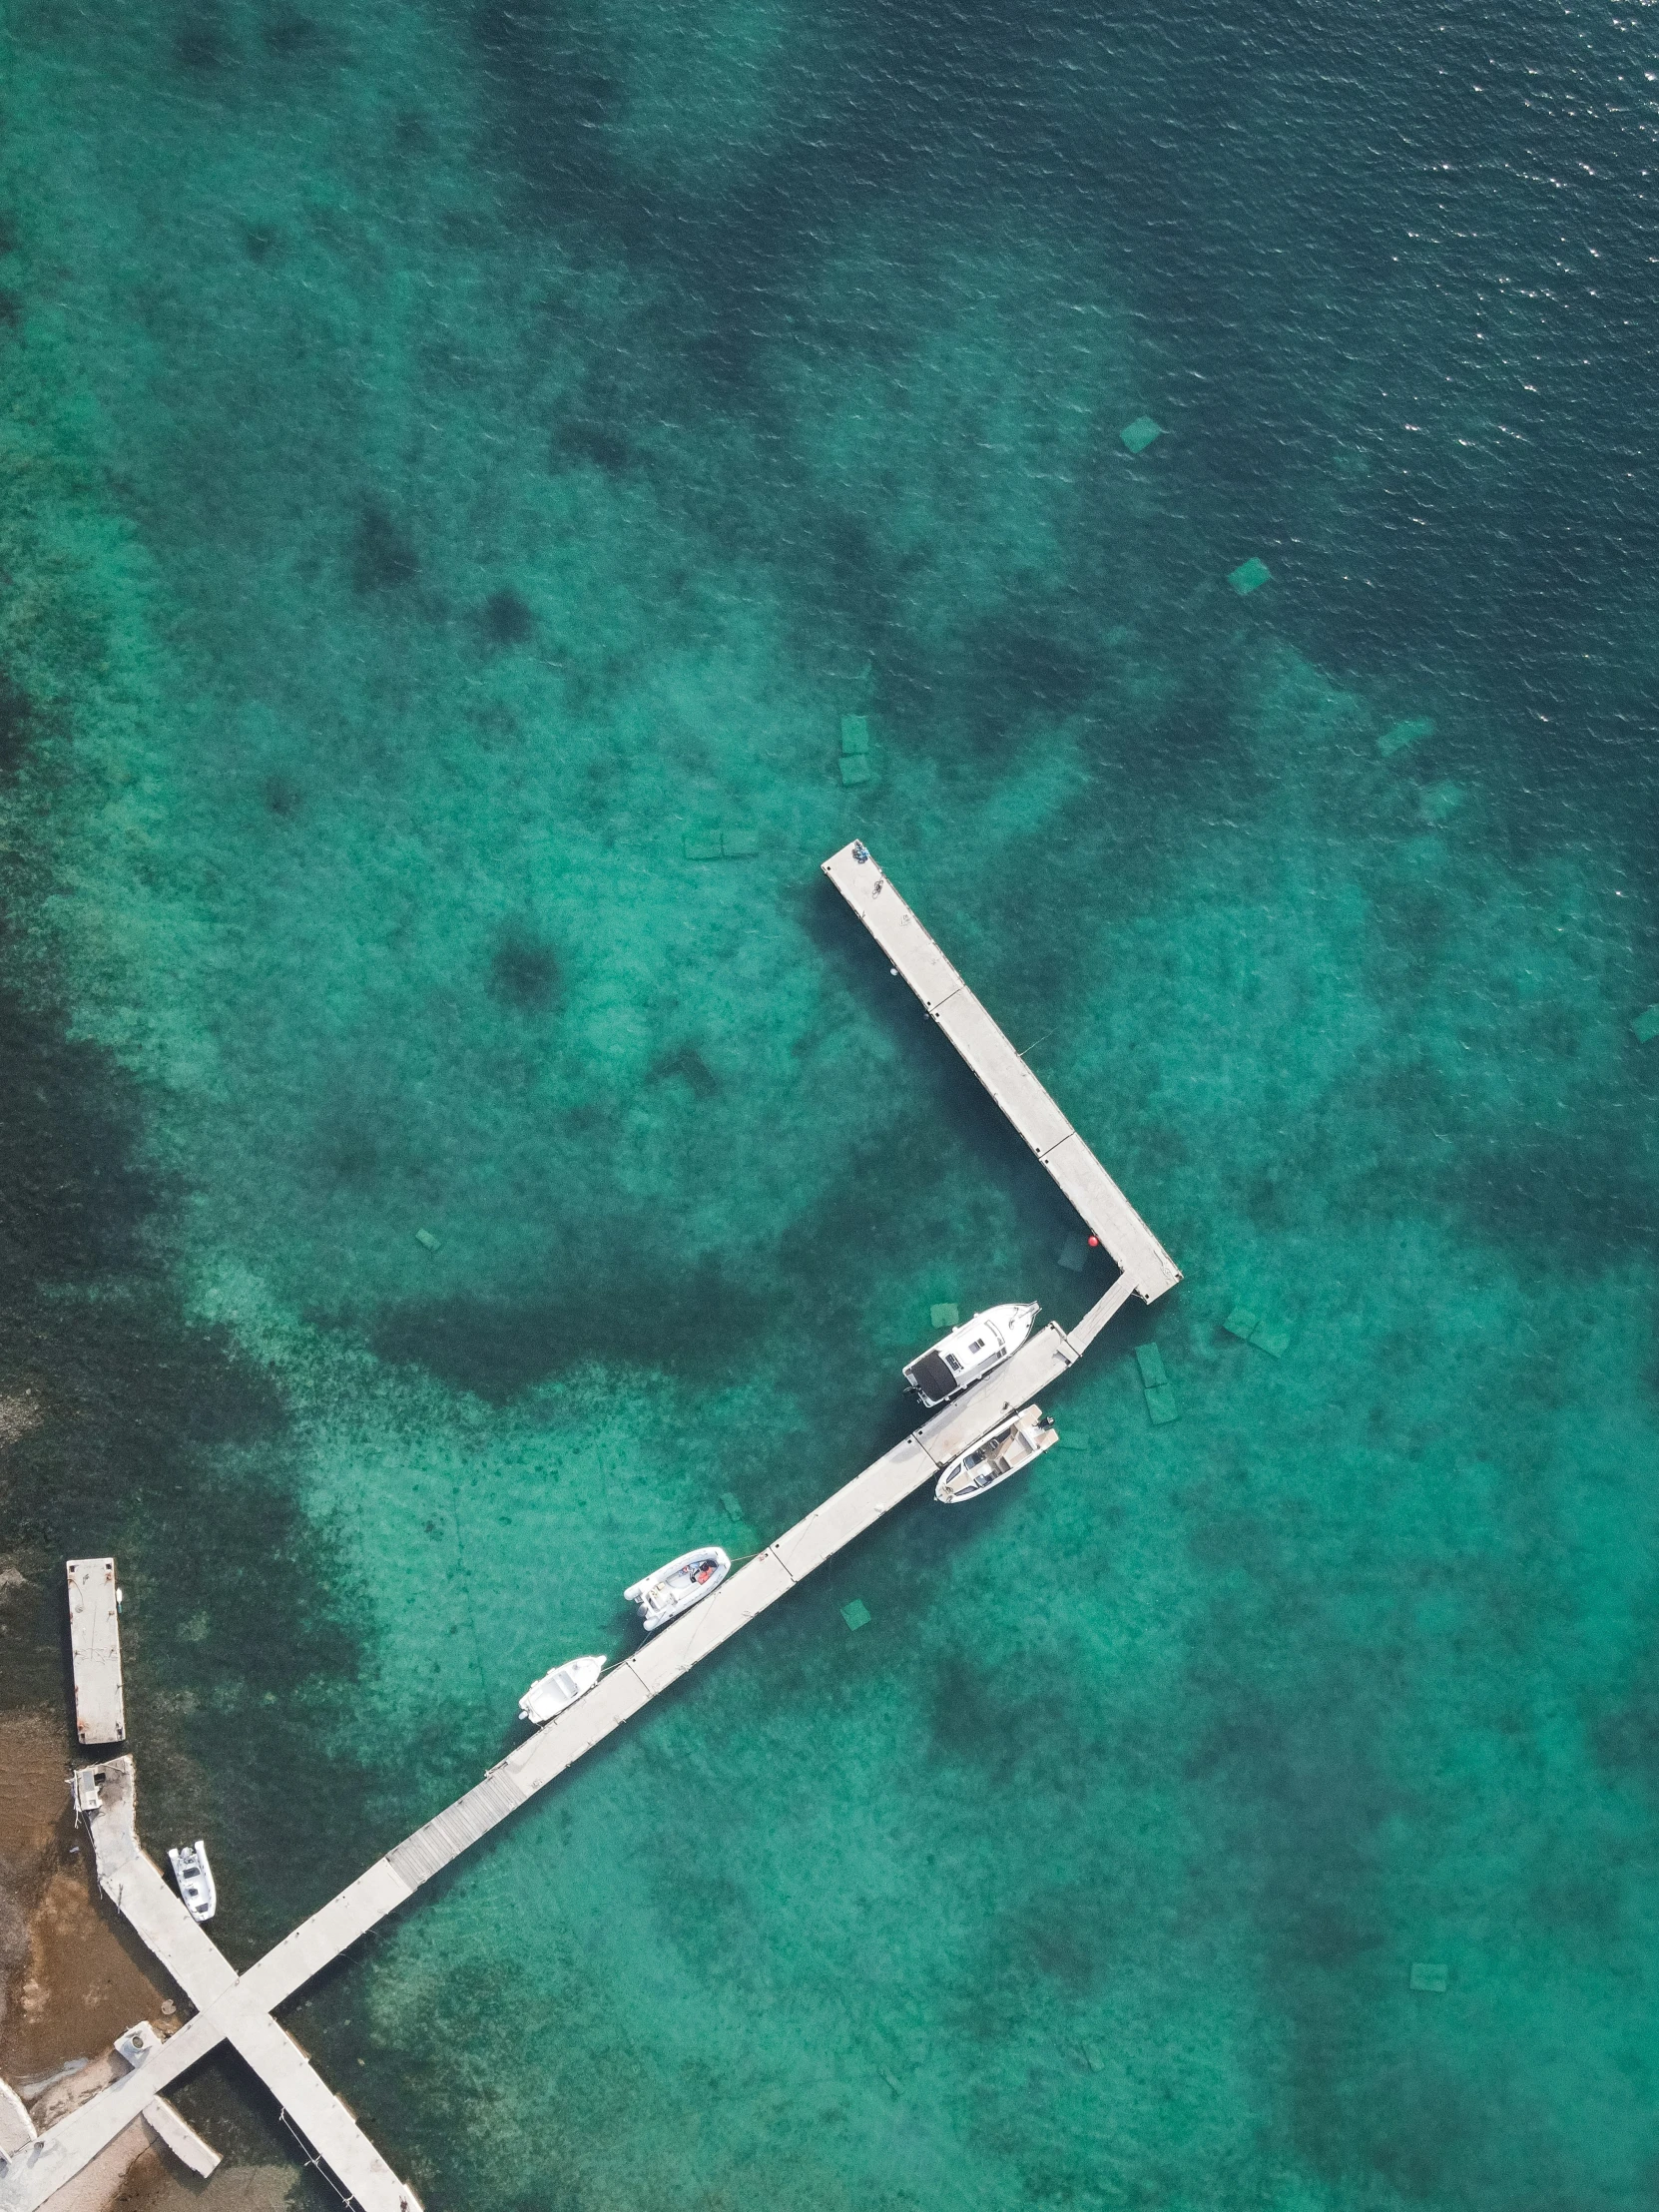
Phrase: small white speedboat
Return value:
(682, 1583)
(559, 1687)
(195, 1879)
(1011, 1445)
(970, 1352)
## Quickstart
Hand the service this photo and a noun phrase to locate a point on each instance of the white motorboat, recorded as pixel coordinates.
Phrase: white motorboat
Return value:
(970, 1352)
(1012, 1444)
(195, 1879)
(683, 1582)
(559, 1687)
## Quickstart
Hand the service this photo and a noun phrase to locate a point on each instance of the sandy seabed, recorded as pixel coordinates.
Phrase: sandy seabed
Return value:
(73, 1982)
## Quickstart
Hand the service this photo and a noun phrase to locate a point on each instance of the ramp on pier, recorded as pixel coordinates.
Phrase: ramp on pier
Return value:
(168, 2122)
(95, 1652)
(949, 1002)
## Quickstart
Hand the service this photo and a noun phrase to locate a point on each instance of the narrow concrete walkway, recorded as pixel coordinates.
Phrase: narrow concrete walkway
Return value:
(948, 1001)
(142, 1893)
(95, 1651)
(238, 2010)
(135, 1885)
(329, 2126)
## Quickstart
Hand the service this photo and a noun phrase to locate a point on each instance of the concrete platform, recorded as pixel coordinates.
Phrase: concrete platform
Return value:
(95, 1652)
(17, 2130)
(169, 2125)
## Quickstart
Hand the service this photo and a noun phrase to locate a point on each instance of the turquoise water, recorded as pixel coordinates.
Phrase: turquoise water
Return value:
(454, 455)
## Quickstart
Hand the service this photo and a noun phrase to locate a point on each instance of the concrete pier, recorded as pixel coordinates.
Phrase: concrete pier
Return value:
(95, 1652)
(238, 2010)
(658, 1664)
(135, 1885)
(142, 1893)
(987, 1051)
(316, 2115)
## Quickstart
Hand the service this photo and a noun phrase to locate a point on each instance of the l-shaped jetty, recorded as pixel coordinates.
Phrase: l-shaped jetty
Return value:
(237, 2009)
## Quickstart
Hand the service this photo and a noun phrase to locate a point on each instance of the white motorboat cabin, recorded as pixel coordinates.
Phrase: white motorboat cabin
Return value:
(970, 1352)
(195, 1879)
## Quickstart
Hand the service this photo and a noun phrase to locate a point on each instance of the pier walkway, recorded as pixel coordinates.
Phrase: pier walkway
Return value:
(237, 2009)
(142, 1893)
(948, 1001)
(196, 1962)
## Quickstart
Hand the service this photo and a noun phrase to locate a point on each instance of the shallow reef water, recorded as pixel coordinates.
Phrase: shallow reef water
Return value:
(458, 462)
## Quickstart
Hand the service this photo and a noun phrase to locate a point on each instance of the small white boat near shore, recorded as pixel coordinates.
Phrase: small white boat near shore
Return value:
(969, 1352)
(195, 1879)
(1011, 1445)
(560, 1686)
(674, 1589)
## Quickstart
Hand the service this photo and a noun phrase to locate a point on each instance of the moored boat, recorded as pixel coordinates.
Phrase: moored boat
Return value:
(560, 1686)
(969, 1352)
(682, 1583)
(1011, 1445)
(195, 1879)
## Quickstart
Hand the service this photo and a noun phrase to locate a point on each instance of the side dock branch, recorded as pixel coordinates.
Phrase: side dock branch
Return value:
(948, 1001)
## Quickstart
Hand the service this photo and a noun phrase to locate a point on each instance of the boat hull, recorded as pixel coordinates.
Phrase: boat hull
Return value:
(674, 1589)
(1004, 1451)
(194, 1878)
(558, 1687)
